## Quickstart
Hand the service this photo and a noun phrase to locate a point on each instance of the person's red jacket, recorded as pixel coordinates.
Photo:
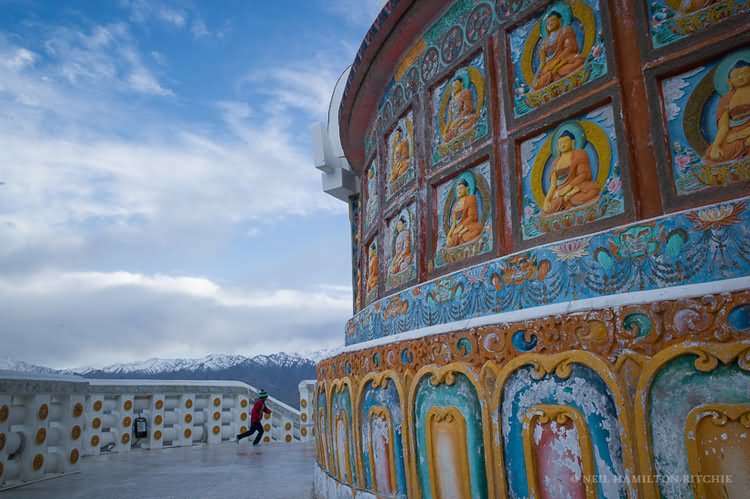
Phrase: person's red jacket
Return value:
(258, 406)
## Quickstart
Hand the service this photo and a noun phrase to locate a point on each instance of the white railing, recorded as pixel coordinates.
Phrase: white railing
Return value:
(47, 423)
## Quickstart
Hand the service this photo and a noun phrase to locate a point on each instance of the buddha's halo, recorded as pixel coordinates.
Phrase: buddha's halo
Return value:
(574, 128)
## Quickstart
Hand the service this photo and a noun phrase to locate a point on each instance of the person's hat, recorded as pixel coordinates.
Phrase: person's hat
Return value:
(262, 394)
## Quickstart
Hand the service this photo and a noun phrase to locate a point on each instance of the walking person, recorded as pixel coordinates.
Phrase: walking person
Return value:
(255, 416)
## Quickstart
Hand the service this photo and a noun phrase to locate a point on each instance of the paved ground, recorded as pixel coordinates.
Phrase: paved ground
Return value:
(273, 471)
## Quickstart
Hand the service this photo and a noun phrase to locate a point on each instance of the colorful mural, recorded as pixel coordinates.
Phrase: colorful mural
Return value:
(673, 20)
(708, 123)
(464, 216)
(449, 438)
(401, 164)
(373, 271)
(381, 427)
(400, 249)
(556, 52)
(700, 245)
(371, 195)
(343, 436)
(571, 175)
(559, 429)
(355, 220)
(459, 110)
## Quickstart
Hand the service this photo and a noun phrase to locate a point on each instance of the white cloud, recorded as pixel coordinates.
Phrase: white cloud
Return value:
(98, 317)
(356, 12)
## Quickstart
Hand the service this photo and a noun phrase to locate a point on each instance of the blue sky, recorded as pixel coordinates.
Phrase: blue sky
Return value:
(159, 197)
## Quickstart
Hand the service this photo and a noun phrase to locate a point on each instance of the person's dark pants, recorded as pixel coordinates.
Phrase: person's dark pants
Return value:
(253, 428)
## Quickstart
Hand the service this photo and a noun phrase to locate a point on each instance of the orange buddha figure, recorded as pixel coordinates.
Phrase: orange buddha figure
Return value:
(402, 256)
(401, 160)
(460, 111)
(464, 219)
(559, 53)
(571, 181)
(732, 139)
(372, 269)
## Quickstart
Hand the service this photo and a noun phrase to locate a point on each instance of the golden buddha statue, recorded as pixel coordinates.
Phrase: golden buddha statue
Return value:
(571, 183)
(559, 53)
(464, 219)
(402, 256)
(732, 139)
(461, 115)
(401, 160)
(372, 269)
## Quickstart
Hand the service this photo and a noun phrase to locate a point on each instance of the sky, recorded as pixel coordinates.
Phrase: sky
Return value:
(158, 197)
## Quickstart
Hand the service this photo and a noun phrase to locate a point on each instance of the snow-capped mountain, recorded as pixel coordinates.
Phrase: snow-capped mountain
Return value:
(7, 364)
(278, 373)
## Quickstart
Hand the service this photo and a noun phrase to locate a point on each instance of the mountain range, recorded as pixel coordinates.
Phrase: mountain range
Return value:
(279, 374)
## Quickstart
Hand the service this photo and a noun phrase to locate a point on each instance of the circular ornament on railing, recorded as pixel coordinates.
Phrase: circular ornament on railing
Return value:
(96, 423)
(4, 411)
(451, 44)
(216, 429)
(98, 405)
(266, 439)
(188, 403)
(43, 412)
(158, 419)
(128, 405)
(94, 441)
(303, 432)
(288, 438)
(75, 432)
(41, 436)
(2, 440)
(288, 426)
(243, 403)
(157, 435)
(267, 427)
(479, 23)
(303, 417)
(159, 404)
(188, 418)
(188, 433)
(243, 429)
(125, 439)
(217, 402)
(430, 63)
(243, 416)
(266, 416)
(38, 462)
(303, 403)
(77, 410)
(74, 456)
(217, 415)
(127, 421)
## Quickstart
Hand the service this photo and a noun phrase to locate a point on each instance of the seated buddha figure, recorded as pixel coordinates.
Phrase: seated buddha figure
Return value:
(402, 256)
(372, 269)
(464, 219)
(400, 156)
(559, 54)
(461, 115)
(571, 182)
(732, 139)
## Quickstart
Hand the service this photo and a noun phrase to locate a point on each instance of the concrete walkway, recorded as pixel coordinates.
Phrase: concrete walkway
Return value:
(270, 471)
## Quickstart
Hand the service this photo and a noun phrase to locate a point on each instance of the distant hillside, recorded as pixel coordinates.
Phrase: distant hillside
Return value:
(279, 374)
